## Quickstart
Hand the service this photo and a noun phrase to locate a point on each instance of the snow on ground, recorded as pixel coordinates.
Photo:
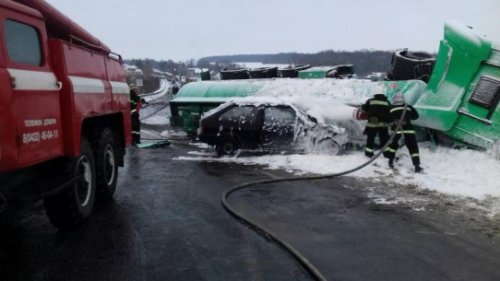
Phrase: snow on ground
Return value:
(459, 173)
(258, 64)
(157, 117)
(174, 135)
(157, 111)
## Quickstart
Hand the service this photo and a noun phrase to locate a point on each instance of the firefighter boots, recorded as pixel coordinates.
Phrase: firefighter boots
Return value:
(418, 169)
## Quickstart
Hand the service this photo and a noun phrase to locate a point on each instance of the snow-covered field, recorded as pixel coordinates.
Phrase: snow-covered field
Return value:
(465, 175)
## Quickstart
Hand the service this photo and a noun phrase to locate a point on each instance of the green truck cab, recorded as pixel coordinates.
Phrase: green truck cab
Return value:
(462, 96)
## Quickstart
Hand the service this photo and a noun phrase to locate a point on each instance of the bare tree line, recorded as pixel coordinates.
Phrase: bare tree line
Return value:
(364, 61)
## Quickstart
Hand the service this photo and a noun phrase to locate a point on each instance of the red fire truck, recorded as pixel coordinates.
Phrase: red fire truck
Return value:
(64, 113)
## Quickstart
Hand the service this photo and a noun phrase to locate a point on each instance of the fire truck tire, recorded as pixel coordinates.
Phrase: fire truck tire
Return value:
(73, 205)
(106, 164)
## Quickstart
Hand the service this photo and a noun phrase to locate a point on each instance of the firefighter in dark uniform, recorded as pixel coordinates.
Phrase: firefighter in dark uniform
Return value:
(135, 107)
(407, 131)
(377, 109)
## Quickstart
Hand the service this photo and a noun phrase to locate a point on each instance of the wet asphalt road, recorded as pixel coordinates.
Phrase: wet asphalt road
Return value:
(167, 223)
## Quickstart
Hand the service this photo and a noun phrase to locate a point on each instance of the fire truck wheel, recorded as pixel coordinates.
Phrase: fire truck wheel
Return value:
(71, 206)
(106, 164)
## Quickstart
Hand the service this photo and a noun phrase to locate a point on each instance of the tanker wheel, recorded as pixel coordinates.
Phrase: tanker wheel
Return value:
(106, 164)
(73, 205)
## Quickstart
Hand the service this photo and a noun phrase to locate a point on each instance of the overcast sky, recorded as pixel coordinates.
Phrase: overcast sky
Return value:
(184, 29)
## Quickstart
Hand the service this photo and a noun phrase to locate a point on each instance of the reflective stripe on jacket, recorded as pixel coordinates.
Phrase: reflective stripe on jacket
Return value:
(376, 125)
(411, 114)
(377, 109)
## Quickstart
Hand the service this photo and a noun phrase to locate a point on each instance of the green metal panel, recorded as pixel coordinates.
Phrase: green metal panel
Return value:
(205, 75)
(187, 115)
(217, 90)
(474, 124)
(411, 89)
(315, 72)
(460, 55)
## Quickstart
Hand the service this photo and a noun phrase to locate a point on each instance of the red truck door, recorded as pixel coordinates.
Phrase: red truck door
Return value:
(35, 89)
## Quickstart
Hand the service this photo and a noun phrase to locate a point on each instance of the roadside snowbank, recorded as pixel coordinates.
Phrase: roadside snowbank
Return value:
(464, 173)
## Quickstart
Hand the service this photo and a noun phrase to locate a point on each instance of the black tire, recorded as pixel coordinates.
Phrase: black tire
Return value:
(328, 146)
(231, 74)
(192, 136)
(106, 164)
(73, 205)
(411, 65)
(226, 146)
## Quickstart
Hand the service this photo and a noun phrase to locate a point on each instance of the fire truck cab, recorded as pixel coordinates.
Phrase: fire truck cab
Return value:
(64, 113)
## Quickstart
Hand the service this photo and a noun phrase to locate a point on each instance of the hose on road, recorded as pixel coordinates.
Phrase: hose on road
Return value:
(260, 229)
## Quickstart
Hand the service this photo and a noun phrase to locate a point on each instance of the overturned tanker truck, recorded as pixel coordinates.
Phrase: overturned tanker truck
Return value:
(65, 120)
(458, 105)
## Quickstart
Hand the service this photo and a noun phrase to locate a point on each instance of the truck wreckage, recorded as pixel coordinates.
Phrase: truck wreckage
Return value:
(458, 105)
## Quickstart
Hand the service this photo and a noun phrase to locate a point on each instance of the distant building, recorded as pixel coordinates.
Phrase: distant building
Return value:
(161, 74)
(135, 76)
(197, 74)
